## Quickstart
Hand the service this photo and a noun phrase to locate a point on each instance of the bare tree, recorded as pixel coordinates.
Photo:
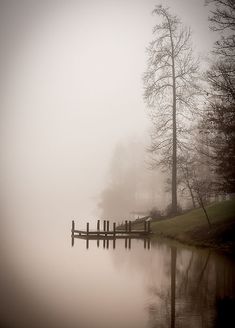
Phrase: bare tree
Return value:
(223, 15)
(169, 90)
(202, 187)
(219, 121)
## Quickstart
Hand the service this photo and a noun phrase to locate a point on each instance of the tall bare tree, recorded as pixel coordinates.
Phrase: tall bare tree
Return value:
(169, 90)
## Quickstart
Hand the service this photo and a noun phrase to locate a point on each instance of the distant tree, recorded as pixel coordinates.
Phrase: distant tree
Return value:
(118, 198)
(169, 91)
(130, 186)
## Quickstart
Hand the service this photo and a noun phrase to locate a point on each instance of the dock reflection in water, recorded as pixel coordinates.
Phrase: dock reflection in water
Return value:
(111, 242)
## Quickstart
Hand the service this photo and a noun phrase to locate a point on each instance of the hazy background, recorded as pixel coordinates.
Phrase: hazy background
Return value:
(71, 91)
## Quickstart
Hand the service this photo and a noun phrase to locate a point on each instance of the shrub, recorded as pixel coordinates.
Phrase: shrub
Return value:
(155, 213)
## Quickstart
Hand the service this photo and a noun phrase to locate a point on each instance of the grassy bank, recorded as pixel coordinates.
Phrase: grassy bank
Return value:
(192, 227)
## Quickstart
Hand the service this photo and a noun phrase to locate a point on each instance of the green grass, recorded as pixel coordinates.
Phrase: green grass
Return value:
(218, 213)
(192, 227)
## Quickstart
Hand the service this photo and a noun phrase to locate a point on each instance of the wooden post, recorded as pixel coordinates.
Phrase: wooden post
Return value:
(72, 240)
(107, 243)
(144, 243)
(104, 225)
(107, 225)
(126, 225)
(103, 243)
(87, 228)
(125, 242)
(87, 243)
(98, 243)
(114, 229)
(129, 226)
(148, 243)
(73, 227)
(129, 244)
(72, 230)
(98, 227)
(114, 243)
(145, 226)
(148, 226)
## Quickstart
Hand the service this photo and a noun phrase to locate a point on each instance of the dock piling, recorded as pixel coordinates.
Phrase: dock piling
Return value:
(98, 227)
(148, 226)
(126, 225)
(124, 231)
(72, 240)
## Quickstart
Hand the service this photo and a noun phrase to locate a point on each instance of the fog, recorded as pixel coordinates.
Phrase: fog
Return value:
(71, 94)
(71, 90)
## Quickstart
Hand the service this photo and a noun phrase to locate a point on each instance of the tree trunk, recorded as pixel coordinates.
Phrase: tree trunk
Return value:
(174, 130)
(174, 154)
(173, 284)
(204, 210)
(192, 196)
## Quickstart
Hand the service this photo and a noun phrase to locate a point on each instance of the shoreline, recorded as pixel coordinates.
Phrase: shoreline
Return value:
(192, 229)
(227, 249)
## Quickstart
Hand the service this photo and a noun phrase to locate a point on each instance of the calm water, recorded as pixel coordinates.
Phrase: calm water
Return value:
(47, 283)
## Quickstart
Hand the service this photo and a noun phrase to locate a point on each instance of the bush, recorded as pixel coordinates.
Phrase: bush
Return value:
(169, 212)
(155, 213)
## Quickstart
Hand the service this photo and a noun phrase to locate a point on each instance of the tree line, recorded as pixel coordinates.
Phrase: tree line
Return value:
(192, 112)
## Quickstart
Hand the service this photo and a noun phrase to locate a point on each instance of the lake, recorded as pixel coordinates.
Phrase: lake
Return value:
(45, 282)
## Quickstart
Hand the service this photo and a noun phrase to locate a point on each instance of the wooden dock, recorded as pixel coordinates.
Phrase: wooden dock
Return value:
(106, 233)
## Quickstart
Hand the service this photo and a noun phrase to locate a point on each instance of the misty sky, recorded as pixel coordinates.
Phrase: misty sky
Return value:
(71, 90)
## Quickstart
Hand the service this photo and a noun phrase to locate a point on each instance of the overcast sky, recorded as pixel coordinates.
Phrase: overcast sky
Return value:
(72, 88)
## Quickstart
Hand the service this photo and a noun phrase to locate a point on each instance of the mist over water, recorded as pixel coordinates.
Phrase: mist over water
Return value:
(60, 286)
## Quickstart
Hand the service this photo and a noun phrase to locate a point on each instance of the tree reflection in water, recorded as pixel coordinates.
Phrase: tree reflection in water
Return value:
(200, 291)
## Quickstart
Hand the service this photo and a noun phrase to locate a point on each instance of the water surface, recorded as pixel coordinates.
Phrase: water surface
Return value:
(45, 282)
